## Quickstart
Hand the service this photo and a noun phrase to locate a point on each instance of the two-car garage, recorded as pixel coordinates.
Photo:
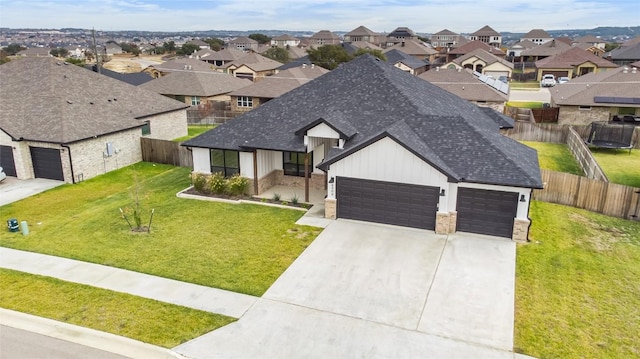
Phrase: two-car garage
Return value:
(479, 211)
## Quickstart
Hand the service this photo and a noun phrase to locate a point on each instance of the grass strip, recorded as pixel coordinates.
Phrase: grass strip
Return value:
(620, 166)
(142, 319)
(555, 157)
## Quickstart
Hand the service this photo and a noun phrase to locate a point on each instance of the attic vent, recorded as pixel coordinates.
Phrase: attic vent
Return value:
(69, 102)
(109, 100)
(115, 99)
(91, 103)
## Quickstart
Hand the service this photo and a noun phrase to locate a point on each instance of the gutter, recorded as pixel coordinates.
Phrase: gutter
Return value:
(73, 176)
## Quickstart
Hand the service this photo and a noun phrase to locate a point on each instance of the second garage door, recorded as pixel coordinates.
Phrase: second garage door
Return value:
(387, 202)
(47, 163)
(486, 212)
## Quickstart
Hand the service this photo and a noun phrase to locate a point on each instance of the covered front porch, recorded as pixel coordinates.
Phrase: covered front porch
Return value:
(287, 193)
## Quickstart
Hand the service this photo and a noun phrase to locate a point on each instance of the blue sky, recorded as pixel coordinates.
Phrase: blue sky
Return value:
(313, 15)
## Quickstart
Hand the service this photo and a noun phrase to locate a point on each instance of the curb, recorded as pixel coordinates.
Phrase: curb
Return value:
(85, 336)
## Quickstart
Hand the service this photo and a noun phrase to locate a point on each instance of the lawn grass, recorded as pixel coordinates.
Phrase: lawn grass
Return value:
(243, 248)
(533, 85)
(577, 286)
(620, 166)
(146, 320)
(194, 131)
(555, 157)
(525, 104)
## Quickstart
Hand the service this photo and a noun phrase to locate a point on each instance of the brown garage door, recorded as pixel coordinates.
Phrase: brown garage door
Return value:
(387, 202)
(47, 163)
(6, 161)
(486, 212)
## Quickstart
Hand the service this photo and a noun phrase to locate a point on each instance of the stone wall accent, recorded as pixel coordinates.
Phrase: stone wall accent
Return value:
(316, 181)
(453, 221)
(257, 101)
(442, 223)
(573, 115)
(520, 229)
(265, 182)
(330, 208)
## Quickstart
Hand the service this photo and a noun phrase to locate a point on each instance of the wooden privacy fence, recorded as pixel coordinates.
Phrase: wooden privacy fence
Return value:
(538, 132)
(581, 152)
(544, 115)
(611, 199)
(167, 152)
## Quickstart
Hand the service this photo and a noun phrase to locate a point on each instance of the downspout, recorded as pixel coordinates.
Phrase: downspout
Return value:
(73, 176)
(529, 218)
(255, 172)
(306, 177)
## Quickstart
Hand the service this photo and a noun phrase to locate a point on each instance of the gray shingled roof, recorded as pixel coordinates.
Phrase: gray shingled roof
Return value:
(626, 53)
(537, 34)
(44, 99)
(412, 47)
(194, 83)
(582, 90)
(462, 83)
(395, 56)
(484, 56)
(256, 62)
(377, 100)
(486, 31)
(281, 83)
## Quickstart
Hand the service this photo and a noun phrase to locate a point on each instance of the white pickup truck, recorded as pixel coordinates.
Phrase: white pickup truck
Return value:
(548, 81)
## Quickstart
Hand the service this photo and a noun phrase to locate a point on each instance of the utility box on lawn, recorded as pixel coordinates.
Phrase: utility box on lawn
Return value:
(12, 225)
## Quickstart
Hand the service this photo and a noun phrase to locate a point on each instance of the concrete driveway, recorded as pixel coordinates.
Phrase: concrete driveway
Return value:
(368, 290)
(13, 189)
(534, 95)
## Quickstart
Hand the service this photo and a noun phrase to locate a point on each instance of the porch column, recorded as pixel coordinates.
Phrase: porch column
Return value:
(306, 177)
(255, 172)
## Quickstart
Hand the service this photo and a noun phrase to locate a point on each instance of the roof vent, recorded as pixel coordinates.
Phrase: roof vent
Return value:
(69, 102)
(313, 65)
(459, 69)
(625, 70)
(634, 70)
(438, 68)
(304, 66)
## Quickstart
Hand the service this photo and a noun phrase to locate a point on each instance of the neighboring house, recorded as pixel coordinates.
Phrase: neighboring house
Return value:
(35, 52)
(324, 37)
(285, 41)
(201, 44)
(588, 47)
(547, 49)
(592, 41)
(203, 54)
(445, 38)
(399, 35)
(178, 65)
(299, 62)
(386, 147)
(406, 62)
(196, 88)
(75, 52)
(464, 84)
(71, 134)
(243, 43)
(625, 55)
(483, 62)
(221, 58)
(416, 49)
(253, 66)
(254, 95)
(487, 35)
(598, 96)
(363, 34)
(473, 46)
(296, 52)
(537, 36)
(515, 50)
(571, 63)
(362, 45)
(133, 78)
(111, 48)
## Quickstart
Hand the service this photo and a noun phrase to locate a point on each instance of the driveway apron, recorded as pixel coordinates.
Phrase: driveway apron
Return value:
(370, 290)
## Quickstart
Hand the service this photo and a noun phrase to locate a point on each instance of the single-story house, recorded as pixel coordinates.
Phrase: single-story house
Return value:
(249, 97)
(515, 50)
(386, 147)
(220, 58)
(178, 65)
(462, 83)
(471, 46)
(415, 49)
(406, 62)
(598, 97)
(547, 49)
(69, 134)
(571, 63)
(625, 54)
(253, 66)
(482, 62)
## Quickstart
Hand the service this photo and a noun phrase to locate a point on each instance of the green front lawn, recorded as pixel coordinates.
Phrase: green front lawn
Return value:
(555, 157)
(577, 285)
(525, 104)
(620, 166)
(146, 320)
(242, 248)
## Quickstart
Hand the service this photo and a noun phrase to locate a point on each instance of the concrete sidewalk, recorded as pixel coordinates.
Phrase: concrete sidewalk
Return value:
(162, 289)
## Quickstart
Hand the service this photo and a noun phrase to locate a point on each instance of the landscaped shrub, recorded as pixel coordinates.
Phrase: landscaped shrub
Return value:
(237, 185)
(217, 183)
(199, 181)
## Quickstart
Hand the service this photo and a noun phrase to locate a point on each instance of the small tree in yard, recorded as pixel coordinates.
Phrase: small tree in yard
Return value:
(137, 194)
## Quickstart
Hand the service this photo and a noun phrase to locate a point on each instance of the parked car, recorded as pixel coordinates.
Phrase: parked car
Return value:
(548, 81)
(504, 79)
(562, 80)
(2, 175)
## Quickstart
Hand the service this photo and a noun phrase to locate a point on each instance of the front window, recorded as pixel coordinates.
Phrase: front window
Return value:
(225, 161)
(293, 163)
(195, 100)
(245, 101)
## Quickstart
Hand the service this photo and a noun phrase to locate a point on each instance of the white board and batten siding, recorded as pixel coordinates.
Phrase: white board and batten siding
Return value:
(322, 130)
(201, 160)
(386, 160)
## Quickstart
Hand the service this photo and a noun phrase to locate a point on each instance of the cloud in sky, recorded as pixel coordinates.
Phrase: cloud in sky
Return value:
(336, 15)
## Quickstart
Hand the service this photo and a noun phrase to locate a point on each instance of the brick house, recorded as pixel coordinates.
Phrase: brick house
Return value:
(70, 134)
